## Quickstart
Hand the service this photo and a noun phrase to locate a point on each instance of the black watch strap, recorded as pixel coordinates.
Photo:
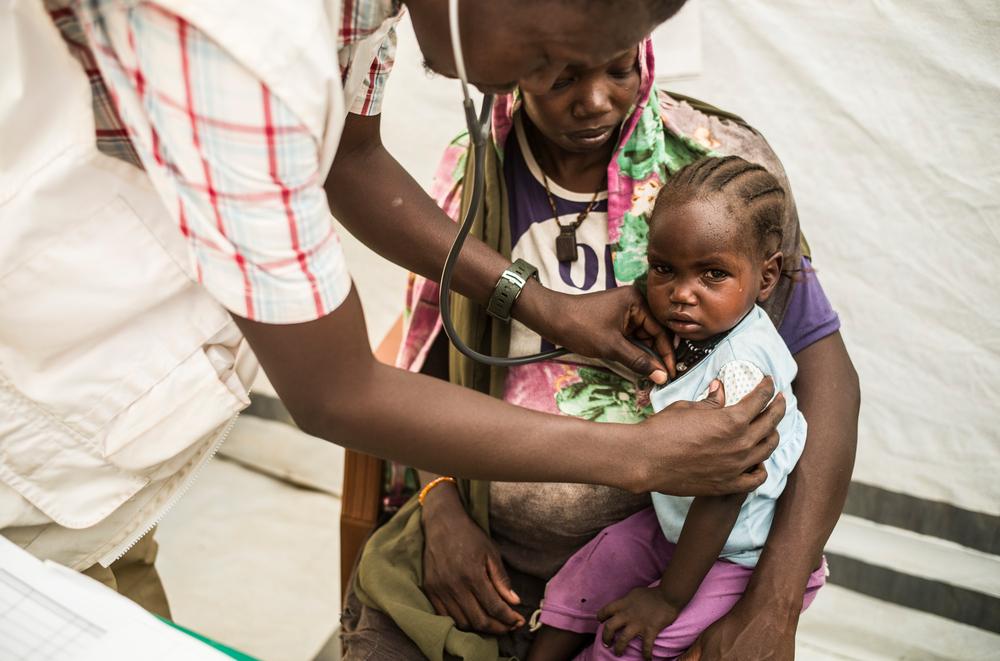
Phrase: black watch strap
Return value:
(509, 287)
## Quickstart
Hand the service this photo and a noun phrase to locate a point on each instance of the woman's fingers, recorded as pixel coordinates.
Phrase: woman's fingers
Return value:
(456, 612)
(438, 605)
(501, 581)
(491, 601)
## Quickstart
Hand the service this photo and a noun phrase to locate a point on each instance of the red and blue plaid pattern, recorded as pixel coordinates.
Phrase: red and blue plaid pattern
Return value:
(237, 168)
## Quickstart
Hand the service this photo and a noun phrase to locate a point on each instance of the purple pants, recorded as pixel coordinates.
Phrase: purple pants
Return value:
(630, 554)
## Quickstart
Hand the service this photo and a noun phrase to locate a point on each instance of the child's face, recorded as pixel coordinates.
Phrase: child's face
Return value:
(704, 275)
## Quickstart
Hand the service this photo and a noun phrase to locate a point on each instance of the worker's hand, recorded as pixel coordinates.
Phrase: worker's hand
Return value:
(705, 448)
(464, 577)
(598, 325)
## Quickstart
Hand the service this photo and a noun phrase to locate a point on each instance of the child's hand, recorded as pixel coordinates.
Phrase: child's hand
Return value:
(644, 612)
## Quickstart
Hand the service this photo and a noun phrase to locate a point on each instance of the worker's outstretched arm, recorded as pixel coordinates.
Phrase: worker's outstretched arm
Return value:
(380, 203)
(326, 375)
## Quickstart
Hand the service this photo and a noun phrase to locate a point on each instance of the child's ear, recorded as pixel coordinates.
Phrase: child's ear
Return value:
(770, 272)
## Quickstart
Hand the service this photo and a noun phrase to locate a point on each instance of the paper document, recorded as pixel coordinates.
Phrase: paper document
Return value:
(49, 612)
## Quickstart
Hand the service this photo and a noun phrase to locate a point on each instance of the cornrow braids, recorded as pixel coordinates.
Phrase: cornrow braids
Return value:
(753, 193)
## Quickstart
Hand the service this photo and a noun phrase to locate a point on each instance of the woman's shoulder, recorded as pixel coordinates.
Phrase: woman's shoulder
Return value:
(687, 110)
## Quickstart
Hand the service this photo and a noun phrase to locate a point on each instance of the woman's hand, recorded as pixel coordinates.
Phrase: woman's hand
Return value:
(464, 577)
(747, 634)
(705, 448)
(598, 325)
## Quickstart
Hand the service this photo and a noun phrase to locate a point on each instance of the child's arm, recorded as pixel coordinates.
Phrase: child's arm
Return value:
(645, 612)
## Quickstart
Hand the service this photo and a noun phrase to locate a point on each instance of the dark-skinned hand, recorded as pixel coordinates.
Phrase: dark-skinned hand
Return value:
(746, 634)
(720, 449)
(599, 324)
(643, 612)
(464, 576)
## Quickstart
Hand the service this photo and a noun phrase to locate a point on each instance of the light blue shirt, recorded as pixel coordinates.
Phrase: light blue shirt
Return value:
(753, 342)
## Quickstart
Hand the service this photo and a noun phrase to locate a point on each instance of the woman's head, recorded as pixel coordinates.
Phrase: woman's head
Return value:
(583, 109)
(714, 245)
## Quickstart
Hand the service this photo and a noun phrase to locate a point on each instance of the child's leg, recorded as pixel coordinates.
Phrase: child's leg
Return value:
(722, 588)
(623, 556)
(628, 554)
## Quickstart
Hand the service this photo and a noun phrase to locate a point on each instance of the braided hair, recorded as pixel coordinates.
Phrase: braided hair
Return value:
(751, 193)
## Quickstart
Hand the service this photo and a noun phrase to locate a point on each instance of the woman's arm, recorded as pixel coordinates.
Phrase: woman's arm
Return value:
(763, 623)
(464, 576)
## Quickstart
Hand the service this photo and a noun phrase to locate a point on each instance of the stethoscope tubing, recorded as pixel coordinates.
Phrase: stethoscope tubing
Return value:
(480, 130)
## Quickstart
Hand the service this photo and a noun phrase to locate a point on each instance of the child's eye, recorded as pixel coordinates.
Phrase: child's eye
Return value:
(660, 269)
(716, 275)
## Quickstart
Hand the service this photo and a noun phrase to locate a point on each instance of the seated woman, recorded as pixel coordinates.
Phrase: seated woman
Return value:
(570, 185)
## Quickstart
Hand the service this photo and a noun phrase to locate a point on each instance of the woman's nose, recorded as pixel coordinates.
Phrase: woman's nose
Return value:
(593, 101)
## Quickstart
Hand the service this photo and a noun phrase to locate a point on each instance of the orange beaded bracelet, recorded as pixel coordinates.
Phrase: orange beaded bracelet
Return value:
(430, 485)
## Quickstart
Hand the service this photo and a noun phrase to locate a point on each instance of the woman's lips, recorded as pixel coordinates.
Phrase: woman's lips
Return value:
(590, 136)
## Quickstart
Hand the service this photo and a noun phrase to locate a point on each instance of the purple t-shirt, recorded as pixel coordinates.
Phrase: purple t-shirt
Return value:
(809, 317)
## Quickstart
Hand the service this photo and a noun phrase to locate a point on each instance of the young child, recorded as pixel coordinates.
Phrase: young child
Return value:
(659, 578)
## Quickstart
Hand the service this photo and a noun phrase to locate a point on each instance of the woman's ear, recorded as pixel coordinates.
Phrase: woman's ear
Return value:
(770, 272)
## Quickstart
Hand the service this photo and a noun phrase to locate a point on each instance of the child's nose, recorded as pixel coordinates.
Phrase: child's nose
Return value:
(682, 295)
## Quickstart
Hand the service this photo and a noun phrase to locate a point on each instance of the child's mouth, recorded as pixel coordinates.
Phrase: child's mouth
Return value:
(682, 325)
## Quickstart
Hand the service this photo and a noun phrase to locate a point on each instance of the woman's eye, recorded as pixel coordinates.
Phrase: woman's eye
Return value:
(625, 73)
(562, 83)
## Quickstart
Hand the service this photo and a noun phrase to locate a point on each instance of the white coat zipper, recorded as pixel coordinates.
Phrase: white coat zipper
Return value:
(119, 551)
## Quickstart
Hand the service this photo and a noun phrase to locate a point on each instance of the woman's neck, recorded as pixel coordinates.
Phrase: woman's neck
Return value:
(580, 172)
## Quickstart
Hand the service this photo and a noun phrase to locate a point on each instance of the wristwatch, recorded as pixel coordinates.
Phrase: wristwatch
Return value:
(509, 287)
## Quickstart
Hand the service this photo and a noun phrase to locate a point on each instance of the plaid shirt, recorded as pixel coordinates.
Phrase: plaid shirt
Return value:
(243, 173)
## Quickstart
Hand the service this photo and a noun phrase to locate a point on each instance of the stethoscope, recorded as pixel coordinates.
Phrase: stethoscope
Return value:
(480, 128)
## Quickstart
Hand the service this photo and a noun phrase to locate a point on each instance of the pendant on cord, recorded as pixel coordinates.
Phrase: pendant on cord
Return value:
(566, 244)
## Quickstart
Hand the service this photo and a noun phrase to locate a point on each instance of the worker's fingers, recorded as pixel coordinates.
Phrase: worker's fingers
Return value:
(750, 480)
(750, 407)
(644, 325)
(640, 359)
(716, 397)
(759, 453)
